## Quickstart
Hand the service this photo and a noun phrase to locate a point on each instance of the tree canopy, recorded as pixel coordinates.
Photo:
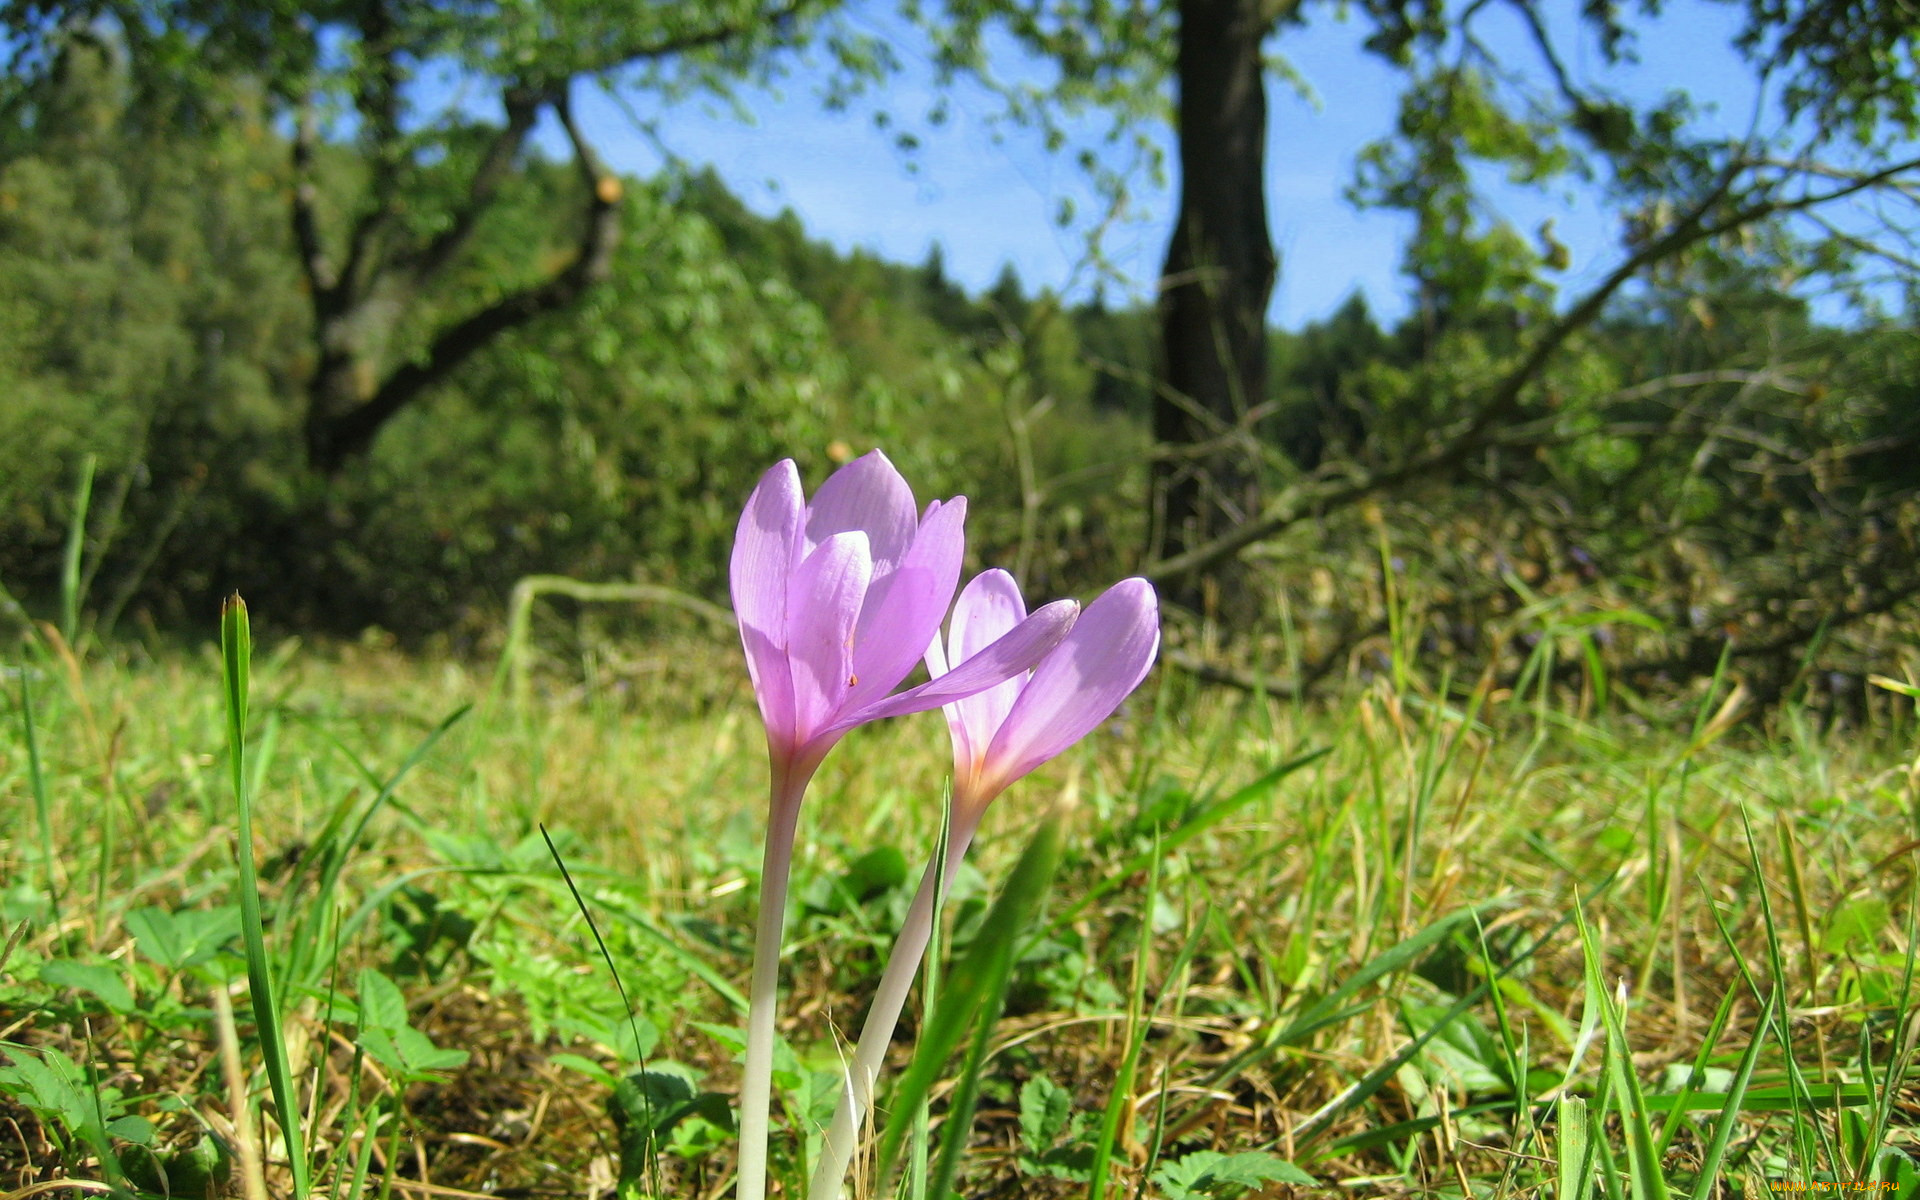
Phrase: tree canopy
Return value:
(335, 328)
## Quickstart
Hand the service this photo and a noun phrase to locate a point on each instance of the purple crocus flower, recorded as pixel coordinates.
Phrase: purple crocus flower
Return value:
(999, 734)
(1005, 732)
(838, 600)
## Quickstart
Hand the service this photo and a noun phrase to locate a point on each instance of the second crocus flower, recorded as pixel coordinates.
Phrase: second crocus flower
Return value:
(999, 734)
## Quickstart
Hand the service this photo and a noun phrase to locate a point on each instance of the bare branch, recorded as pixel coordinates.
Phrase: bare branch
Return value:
(1504, 399)
(353, 431)
(716, 35)
(314, 263)
(523, 105)
(377, 98)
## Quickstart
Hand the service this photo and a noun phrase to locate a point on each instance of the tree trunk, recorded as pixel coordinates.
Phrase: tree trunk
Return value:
(1219, 273)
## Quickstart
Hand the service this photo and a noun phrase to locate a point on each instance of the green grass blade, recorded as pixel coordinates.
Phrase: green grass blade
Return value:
(76, 547)
(1888, 1091)
(1643, 1159)
(42, 799)
(1573, 1149)
(1807, 1132)
(236, 652)
(650, 1164)
(1214, 813)
(1341, 1003)
(1707, 1043)
(1703, 1187)
(976, 987)
(1362, 1090)
(333, 850)
(1120, 1096)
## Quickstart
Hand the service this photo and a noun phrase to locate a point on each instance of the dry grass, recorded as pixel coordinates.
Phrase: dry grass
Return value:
(650, 777)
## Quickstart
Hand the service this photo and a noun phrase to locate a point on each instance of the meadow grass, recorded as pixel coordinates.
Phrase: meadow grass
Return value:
(1412, 940)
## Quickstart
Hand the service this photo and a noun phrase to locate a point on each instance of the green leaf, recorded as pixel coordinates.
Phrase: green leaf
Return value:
(97, 979)
(183, 939)
(1045, 1110)
(382, 1005)
(55, 1087)
(1855, 923)
(1216, 1176)
(423, 1055)
(408, 1052)
(649, 1106)
(586, 1066)
(137, 1130)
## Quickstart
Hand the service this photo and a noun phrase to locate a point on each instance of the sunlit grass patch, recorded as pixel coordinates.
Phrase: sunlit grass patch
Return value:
(1366, 968)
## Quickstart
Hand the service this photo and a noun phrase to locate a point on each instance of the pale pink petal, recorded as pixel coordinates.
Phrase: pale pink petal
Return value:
(1080, 684)
(867, 494)
(772, 687)
(902, 613)
(823, 604)
(763, 548)
(1018, 651)
(987, 609)
(936, 658)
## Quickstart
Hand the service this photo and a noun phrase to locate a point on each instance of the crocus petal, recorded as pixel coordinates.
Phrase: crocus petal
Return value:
(763, 549)
(762, 559)
(902, 613)
(1026, 645)
(1080, 684)
(988, 607)
(823, 604)
(867, 494)
(772, 686)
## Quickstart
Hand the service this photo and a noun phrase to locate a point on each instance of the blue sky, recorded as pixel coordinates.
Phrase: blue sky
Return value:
(988, 194)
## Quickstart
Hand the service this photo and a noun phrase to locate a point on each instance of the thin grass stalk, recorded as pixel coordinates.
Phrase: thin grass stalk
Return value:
(252, 1176)
(236, 650)
(1906, 1039)
(333, 851)
(1261, 786)
(1810, 955)
(1730, 1110)
(1677, 1114)
(1177, 970)
(1797, 1091)
(651, 1155)
(1120, 1098)
(42, 799)
(75, 548)
(1643, 1161)
(1515, 1059)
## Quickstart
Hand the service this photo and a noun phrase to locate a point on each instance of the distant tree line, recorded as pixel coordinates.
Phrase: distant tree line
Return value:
(373, 358)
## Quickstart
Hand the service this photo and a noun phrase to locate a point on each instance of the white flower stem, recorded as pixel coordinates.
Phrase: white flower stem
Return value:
(763, 995)
(903, 963)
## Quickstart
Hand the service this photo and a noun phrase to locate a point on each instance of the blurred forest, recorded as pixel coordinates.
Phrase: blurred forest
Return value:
(371, 370)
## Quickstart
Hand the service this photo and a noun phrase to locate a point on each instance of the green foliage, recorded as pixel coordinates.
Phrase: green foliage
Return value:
(1211, 1175)
(1375, 942)
(614, 441)
(1047, 1120)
